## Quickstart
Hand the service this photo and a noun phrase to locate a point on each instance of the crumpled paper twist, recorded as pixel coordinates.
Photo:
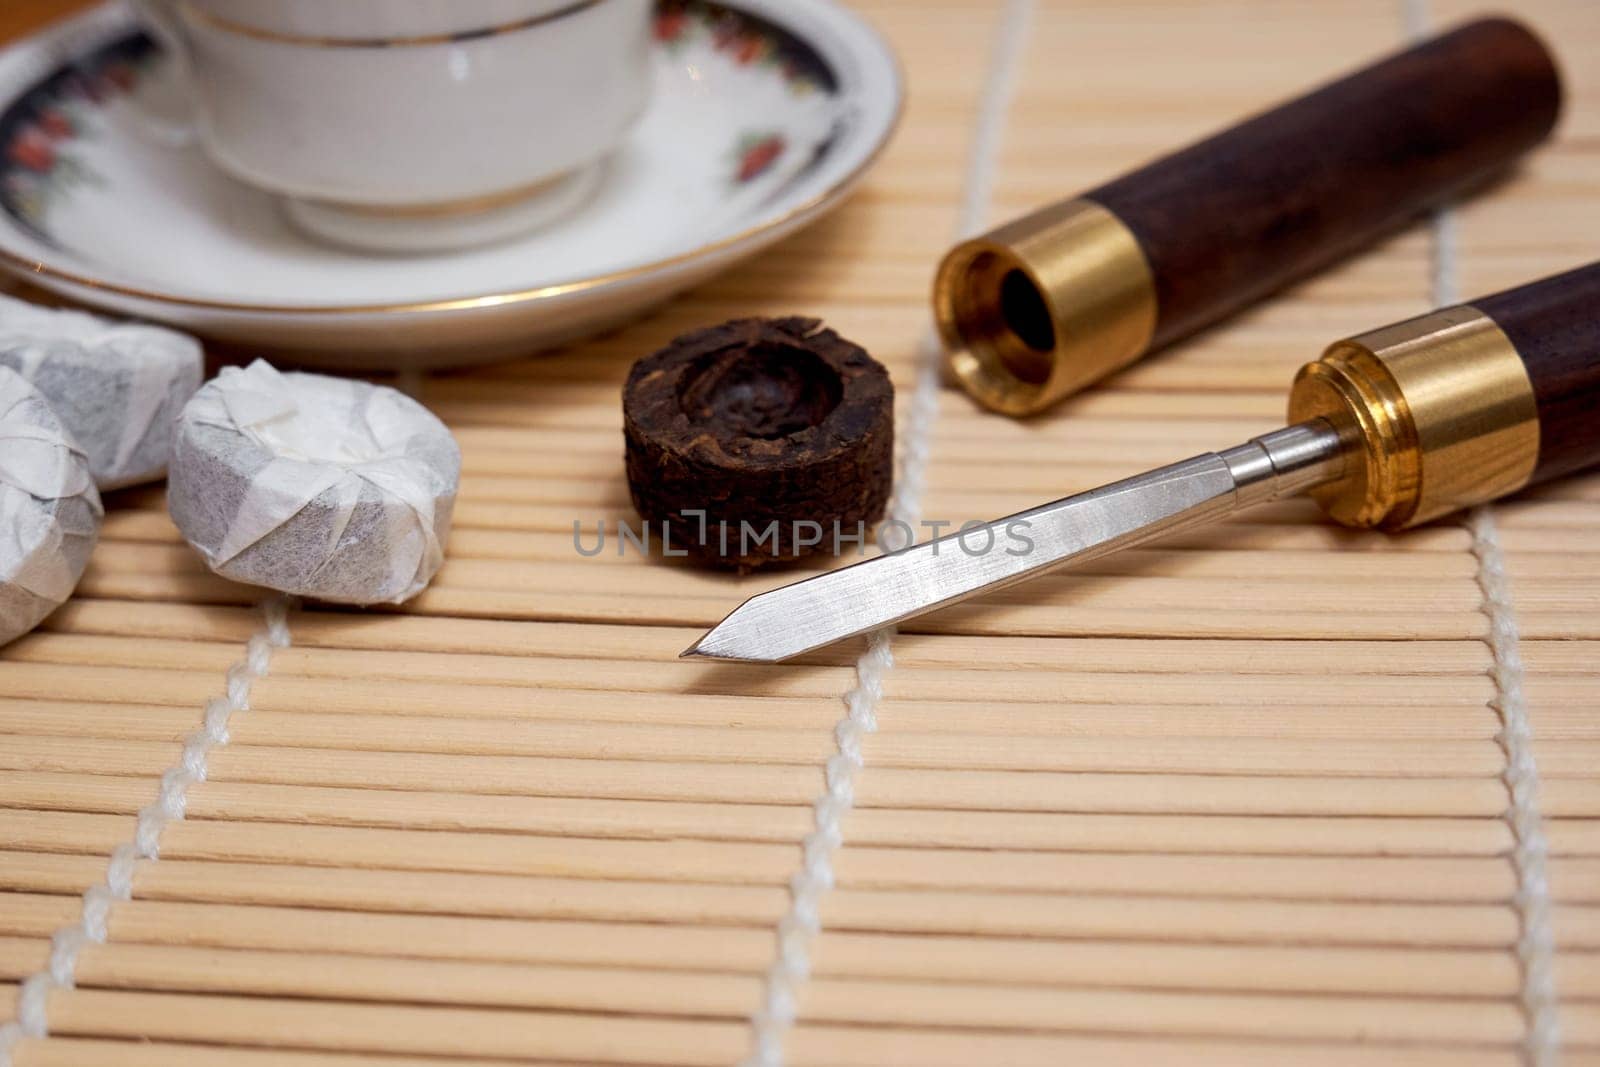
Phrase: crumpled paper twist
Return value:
(49, 509)
(322, 487)
(117, 387)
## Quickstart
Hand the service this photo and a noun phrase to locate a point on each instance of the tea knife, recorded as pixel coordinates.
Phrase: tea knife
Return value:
(1388, 429)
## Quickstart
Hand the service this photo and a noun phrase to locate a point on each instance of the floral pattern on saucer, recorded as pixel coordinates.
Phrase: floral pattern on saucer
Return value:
(747, 40)
(756, 153)
(685, 25)
(37, 132)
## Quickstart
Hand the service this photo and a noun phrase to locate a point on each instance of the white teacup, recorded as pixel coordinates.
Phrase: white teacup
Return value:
(412, 124)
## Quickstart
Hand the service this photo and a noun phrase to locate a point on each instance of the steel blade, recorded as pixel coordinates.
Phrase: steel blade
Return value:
(880, 592)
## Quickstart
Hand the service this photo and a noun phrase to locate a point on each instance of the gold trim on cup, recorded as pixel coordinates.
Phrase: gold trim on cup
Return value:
(212, 20)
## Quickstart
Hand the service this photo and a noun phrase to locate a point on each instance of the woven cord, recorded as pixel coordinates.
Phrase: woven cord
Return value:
(801, 923)
(1541, 1045)
(33, 997)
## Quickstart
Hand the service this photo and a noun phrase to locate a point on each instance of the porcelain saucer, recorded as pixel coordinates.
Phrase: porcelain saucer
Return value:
(765, 114)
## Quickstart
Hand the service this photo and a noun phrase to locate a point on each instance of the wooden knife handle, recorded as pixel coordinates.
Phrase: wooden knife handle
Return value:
(1230, 219)
(1461, 405)
(1555, 326)
(1044, 305)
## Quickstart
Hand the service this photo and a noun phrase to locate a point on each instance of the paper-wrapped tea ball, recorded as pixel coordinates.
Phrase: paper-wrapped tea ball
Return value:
(117, 386)
(322, 487)
(49, 509)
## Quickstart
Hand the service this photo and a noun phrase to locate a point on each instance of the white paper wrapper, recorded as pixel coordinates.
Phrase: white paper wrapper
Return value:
(317, 486)
(49, 509)
(118, 387)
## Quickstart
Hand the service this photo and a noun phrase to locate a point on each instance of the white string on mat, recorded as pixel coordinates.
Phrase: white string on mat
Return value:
(1529, 852)
(32, 1017)
(801, 924)
(1541, 1044)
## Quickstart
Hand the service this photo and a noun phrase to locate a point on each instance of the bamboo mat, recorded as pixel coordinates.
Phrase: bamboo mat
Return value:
(1234, 799)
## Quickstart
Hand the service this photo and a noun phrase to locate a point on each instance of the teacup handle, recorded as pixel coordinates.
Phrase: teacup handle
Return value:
(161, 21)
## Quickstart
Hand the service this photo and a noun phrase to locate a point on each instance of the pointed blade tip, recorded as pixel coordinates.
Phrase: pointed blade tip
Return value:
(726, 650)
(749, 635)
(704, 648)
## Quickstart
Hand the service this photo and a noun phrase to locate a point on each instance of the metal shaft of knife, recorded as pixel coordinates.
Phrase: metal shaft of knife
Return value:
(880, 592)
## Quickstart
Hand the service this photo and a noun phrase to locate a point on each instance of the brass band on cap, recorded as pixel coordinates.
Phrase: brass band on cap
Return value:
(1440, 407)
(1039, 308)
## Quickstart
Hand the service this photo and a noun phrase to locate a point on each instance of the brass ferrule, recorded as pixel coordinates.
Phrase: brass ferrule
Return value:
(1438, 414)
(1037, 309)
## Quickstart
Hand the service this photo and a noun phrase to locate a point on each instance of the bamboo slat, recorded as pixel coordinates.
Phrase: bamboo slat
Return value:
(847, 1047)
(1233, 798)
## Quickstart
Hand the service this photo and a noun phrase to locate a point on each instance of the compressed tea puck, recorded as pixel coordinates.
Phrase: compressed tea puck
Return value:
(759, 440)
(322, 487)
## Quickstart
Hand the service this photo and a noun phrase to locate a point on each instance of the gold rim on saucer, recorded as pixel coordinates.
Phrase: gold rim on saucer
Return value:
(515, 296)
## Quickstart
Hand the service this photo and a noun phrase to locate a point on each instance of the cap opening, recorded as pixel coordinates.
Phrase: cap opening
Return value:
(1003, 324)
(1026, 315)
